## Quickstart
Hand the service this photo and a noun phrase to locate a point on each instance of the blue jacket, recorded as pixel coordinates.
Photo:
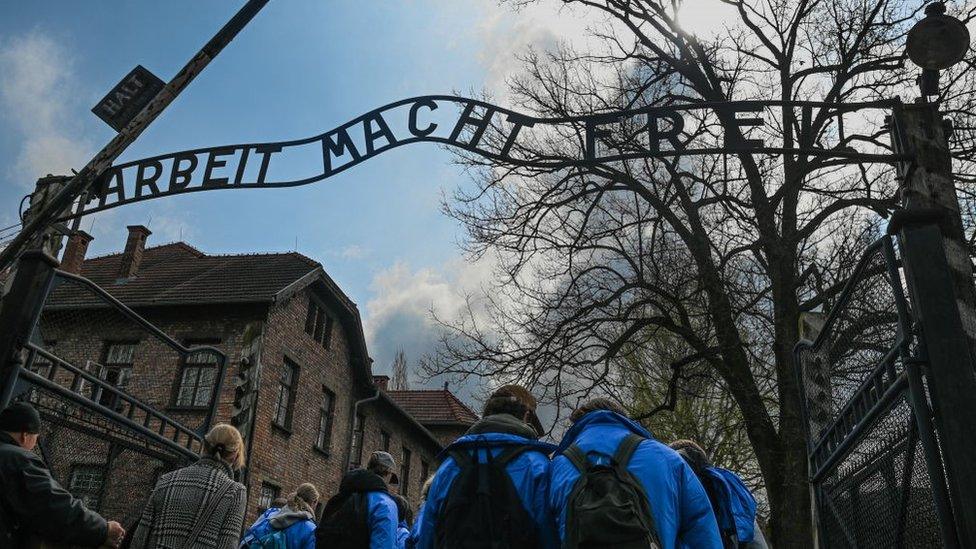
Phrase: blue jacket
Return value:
(736, 506)
(529, 473)
(682, 512)
(403, 533)
(382, 520)
(415, 529)
(299, 528)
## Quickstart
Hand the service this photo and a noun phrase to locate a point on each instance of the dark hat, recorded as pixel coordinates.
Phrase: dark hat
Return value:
(523, 396)
(20, 417)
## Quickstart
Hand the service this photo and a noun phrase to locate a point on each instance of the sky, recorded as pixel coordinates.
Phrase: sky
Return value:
(300, 68)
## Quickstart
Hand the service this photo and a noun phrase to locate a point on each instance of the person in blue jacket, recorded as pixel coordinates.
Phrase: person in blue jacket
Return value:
(508, 430)
(405, 517)
(295, 520)
(733, 503)
(363, 514)
(682, 515)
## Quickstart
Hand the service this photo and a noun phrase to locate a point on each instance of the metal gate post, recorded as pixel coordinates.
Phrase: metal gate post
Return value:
(951, 379)
(940, 279)
(19, 312)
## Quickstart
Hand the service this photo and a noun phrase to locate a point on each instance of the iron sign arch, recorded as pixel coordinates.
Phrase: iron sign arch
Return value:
(480, 128)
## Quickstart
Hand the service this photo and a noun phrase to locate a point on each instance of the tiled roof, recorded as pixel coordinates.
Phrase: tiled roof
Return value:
(177, 273)
(437, 407)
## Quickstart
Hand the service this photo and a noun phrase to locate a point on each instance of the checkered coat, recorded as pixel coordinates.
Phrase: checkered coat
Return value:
(181, 498)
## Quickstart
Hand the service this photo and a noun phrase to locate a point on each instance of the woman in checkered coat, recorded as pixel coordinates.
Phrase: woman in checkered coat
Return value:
(200, 505)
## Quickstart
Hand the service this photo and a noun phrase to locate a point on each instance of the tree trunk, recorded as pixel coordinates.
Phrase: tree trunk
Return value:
(791, 519)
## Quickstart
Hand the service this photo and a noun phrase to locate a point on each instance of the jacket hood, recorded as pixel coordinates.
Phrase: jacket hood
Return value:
(494, 440)
(362, 480)
(286, 516)
(737, 506)
(601, 417)
(503, 423)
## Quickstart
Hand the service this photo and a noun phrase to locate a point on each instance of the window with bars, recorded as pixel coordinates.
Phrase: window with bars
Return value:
(323, 441)
(287, 384)
(86, 483)
(358, 432)
(385, 439)
(117, 367)
(405, 472)
(269, 493)
(318, 323)
(198, 377)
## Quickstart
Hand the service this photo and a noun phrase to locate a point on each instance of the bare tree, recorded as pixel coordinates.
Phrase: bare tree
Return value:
(400, 381)
(723, 252)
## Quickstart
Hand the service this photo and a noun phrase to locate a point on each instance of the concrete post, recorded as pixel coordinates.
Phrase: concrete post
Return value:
(939, 274)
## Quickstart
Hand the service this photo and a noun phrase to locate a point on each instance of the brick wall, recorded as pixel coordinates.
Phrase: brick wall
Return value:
(281, 456)
(287, 457)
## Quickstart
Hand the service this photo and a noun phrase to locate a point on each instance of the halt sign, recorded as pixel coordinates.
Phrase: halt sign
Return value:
(128, 97)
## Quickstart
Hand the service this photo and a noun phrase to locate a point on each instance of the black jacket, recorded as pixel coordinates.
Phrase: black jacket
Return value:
(33, 503)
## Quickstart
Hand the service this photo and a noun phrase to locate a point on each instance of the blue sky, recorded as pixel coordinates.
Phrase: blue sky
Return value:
(301, 67)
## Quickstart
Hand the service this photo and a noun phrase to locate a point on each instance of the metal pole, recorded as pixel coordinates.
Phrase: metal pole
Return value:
(102, 161)
(951, 378)
(19, 312)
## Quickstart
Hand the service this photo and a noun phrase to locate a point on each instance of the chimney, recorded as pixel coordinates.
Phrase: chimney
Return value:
(74, 252)
(134, 246)
(381, 382)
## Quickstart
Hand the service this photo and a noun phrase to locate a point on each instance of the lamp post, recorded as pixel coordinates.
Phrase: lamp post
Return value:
(937, 265)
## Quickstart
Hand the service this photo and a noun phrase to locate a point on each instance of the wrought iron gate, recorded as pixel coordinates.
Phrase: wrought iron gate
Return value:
(875, 462)
(102, 376)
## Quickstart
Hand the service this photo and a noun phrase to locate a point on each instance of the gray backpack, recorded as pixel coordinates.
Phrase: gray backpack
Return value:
(608, 507)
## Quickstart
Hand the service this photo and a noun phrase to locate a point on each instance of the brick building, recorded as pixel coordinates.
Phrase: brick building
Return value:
(319, 408)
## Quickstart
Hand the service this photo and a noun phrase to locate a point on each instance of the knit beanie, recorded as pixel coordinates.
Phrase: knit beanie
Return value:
(20, 417)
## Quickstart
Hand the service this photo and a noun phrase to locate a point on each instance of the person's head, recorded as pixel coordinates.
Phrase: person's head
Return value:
(595, 404)
(382, 464)
(22, 422)
(425, 489)
(404, 512)
(692, 453)
(224, 442)
(304, 498)
(279, 502)
(514, 400)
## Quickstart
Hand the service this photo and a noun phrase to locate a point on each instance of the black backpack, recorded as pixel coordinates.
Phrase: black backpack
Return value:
(346, 527)
(607, 507)
(482, 509)
(345, 519)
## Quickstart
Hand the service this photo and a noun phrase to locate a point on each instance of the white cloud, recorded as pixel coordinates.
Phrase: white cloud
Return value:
(38, 91)
(506, 34)
(353, 251)
(398, 315)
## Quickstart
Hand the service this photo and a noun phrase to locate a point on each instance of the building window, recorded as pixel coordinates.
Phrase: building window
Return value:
(286, 394)
(269, 493)
(385, 438)
(318, 323)
(424, 470)
(198, 378)
(42, 367)
(405, 472)
(86, 483)
(117, 368)
(326, 416)
(358, 431)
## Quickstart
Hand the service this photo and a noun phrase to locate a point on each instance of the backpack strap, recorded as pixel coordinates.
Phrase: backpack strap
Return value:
(507, 455)
(461, 457)
(576, 456)
(626, 450)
